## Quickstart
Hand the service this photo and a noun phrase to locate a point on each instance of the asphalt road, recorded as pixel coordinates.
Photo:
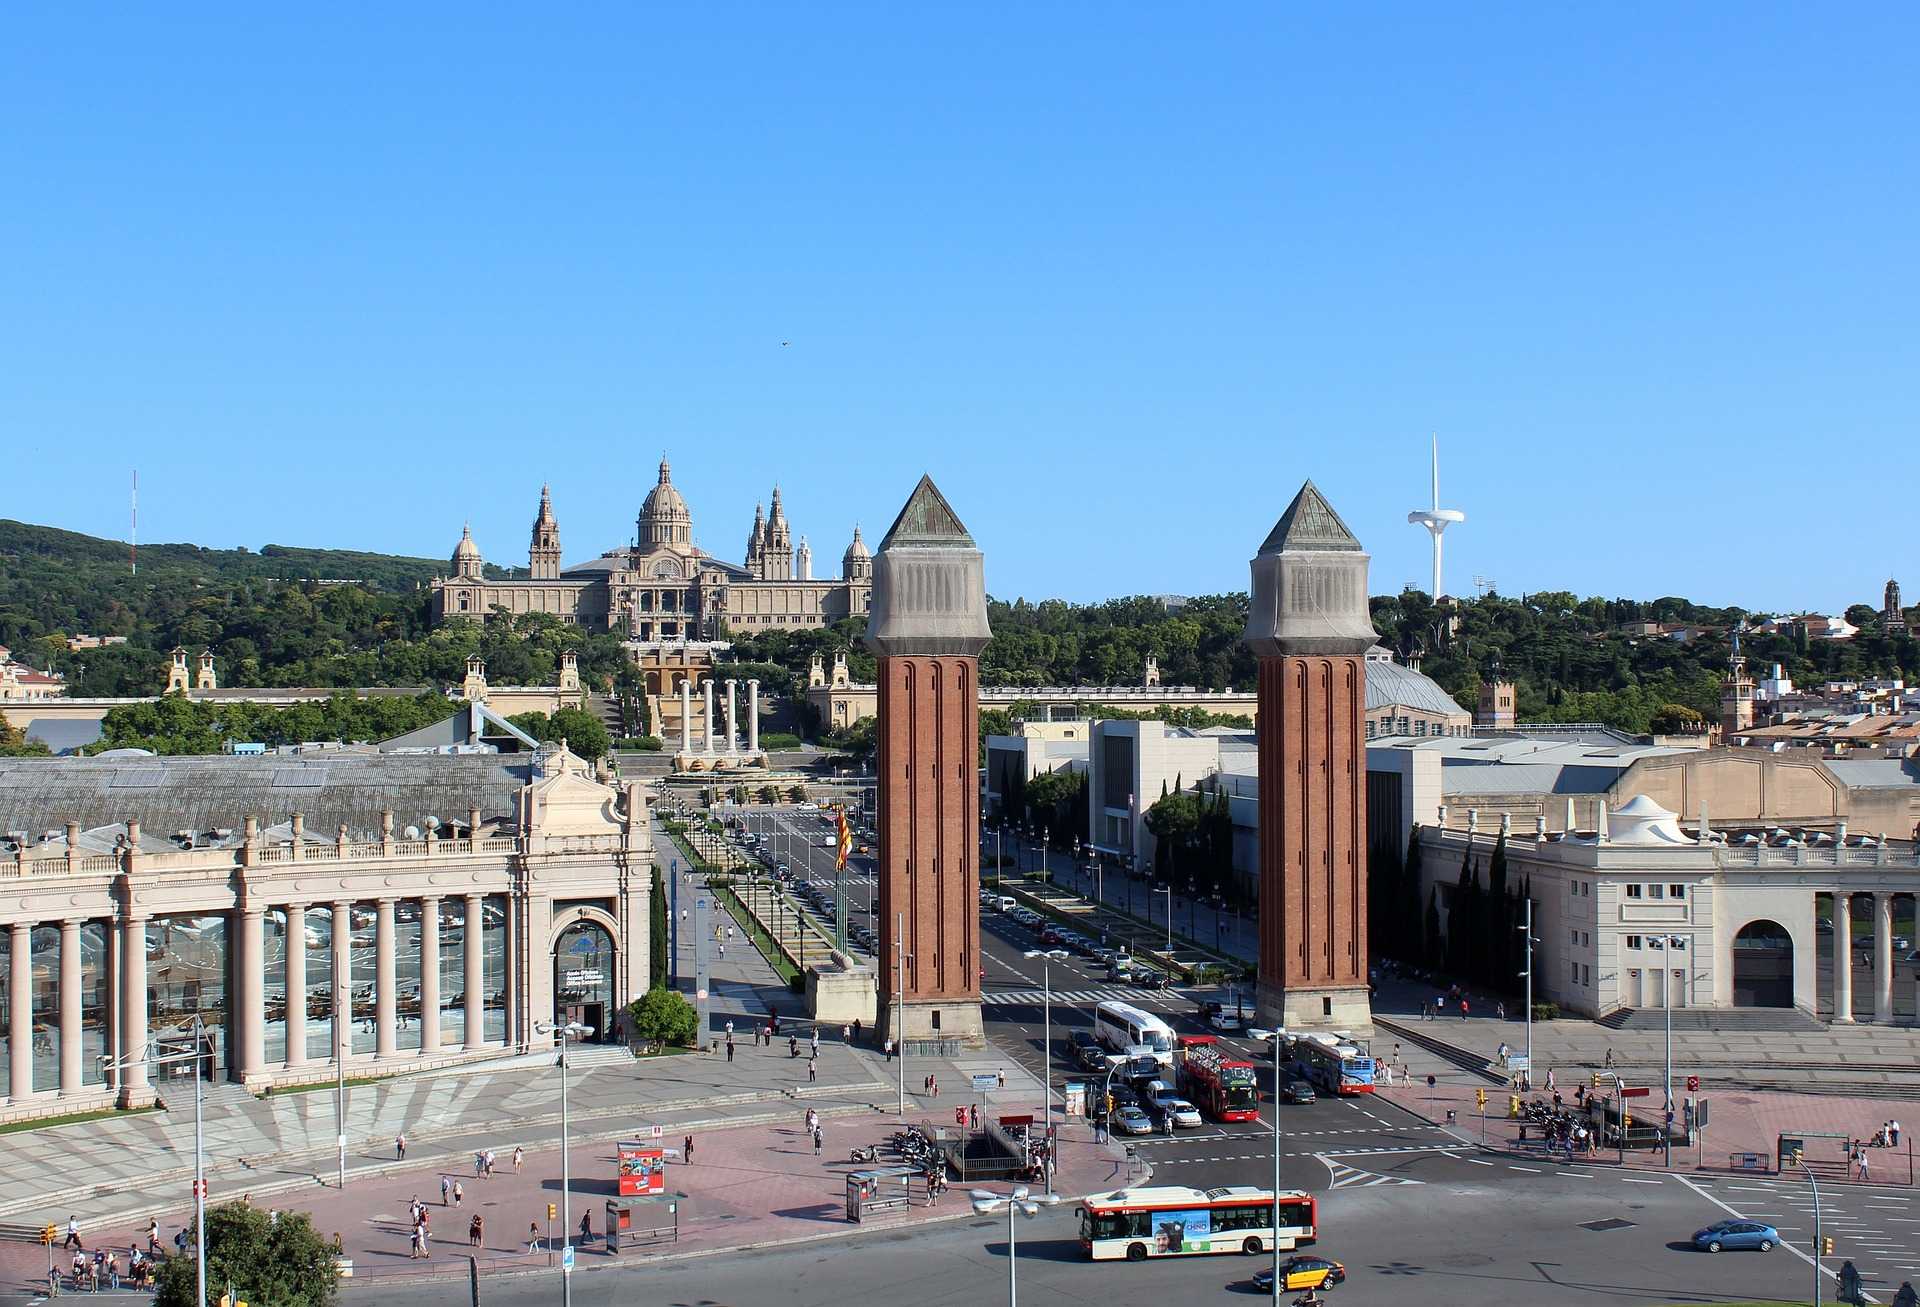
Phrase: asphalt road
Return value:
(1484, 1239)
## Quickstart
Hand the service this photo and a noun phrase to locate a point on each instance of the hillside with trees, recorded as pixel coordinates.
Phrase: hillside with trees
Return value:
(337, 618)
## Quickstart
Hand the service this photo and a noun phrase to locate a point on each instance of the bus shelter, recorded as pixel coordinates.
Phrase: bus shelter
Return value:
(643, 1219)
(881, 1190)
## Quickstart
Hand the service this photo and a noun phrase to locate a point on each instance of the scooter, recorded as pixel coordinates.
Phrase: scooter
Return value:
(867, 1155)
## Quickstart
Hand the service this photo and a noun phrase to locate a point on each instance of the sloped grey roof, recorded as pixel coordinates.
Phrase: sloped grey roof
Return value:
(201, 793)
(1391, 683)
(1874, 773)
(470, 724)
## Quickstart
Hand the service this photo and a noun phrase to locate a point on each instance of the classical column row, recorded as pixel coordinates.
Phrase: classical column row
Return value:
(1883, 969)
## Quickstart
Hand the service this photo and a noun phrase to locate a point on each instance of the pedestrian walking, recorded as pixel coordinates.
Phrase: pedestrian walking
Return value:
(459, 1194)
(973, 1117)
(1003, 1080)
(816, 1041)
(492, 1161)
(1862, 1155)
(729, 1048)
(153, 1237)
(686, 1150)
(446, 1191)
(73, 1234)
(1550, 1085)
(813, 1069)
(586, 1227)
(533, 1236)
(1463, 1007)
(400, 1147)
(729, 1030)
(856, 1030)
(889, 1050)
(1500, 1010)
(519, 1158)
(475, 1231)
(819, 1140)
(1893, 1128)
(1609, 1059)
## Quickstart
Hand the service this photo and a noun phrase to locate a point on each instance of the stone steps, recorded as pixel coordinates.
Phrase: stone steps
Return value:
(1714, 1020)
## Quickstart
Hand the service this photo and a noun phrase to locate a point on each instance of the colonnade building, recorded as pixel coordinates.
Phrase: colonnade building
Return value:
(393, 911)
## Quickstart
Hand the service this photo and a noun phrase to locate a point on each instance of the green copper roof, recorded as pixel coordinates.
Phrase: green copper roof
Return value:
(927, 522)
(1310, 523)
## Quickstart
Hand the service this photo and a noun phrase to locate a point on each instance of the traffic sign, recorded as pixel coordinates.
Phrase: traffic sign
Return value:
(657, 1132)
(1641, 1091)
(1693, 1084)
(566, 1259)
(983, 1081)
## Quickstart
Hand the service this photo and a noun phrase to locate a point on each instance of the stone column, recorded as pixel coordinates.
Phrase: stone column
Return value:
(1842, 956)
(296, 984)
(343, 980)
(20, 998)
(706, 689)
(753, 715)
(476, 982)
(70, 1064)
(732, 726)
(133, 1009)
(383, 983)
(429, 976)
(686, 715)
(1883, 959)
(250, 1005)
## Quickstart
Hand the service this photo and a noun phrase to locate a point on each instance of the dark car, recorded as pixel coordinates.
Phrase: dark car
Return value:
(1297, 1091)
(1302, 1273)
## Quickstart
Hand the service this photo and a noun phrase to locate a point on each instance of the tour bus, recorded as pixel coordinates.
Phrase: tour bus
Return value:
(1336, 1067)
(1173, 1220)
(1123, 1028)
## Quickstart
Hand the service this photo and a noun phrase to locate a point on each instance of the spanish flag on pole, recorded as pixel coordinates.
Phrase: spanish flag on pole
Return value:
(845, 845)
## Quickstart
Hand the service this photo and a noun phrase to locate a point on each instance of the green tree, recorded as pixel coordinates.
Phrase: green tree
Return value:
(15, 744)
(583, 732)
(796, 794)
(665, 1015)
(281, 1262)
(657, 935)
(768, 794)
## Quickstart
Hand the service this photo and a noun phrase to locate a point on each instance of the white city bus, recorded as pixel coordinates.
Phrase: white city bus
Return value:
(1172, 1220)
(1124, 1028)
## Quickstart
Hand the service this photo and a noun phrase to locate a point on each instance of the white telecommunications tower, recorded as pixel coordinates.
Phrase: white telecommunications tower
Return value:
(1436, 519)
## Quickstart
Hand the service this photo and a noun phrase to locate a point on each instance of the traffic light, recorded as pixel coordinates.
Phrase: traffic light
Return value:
(1513, 1107)
(1599, 1081)
(1826, 1246)
(1626, 1121)
(552, 1211)
(47, 1235)
(1480, 1096)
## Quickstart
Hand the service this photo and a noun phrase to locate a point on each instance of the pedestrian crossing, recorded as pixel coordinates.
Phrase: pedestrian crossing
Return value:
(1163, 1001)
(1352, 1177)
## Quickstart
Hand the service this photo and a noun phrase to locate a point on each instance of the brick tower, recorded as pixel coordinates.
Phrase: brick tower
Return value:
(927, 626)
(1310, 629)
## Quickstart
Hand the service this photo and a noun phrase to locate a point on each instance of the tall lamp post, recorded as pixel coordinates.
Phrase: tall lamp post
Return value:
(1526, 929)
(567, 1031)
(1668, 944)
(1048, 956)
(1019, 1201)
(1801, 1162)
(154, 1058)
(1168, 891)
(1275, 1036)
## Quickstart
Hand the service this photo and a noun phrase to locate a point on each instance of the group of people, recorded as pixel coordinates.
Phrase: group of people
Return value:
(102, 1268)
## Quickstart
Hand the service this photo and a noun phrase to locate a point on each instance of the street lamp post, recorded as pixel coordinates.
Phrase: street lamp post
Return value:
(1274, 1036)
(1168, 891)
(566, 1030)
(1048, 956)
(1019, 1201)
(1668, 944)
(1526, 929)
(1801, 1162)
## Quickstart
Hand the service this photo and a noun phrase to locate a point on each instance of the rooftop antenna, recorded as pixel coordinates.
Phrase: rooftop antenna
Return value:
(1436, 519)
(133, 528)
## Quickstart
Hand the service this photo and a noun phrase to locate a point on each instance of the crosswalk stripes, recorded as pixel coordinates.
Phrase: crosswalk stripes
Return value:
(1083, 997)
(1352, 1177)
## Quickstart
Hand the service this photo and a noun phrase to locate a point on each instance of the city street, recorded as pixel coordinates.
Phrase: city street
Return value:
(1527, 1241)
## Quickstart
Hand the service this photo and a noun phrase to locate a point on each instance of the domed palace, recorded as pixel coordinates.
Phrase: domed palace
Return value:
(662, 587)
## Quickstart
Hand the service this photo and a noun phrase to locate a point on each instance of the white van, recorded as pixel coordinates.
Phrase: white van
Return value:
(1123, 1028)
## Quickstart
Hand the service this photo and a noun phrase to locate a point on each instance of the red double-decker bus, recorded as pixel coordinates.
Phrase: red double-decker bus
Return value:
(1223, 1087)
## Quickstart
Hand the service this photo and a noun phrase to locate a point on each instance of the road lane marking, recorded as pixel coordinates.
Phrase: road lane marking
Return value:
(1631, 1180)
(1478, 1162)
(1528, 1169)
(1730, 1210)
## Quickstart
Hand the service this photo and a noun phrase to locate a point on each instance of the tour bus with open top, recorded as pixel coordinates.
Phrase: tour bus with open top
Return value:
(1173, 1220)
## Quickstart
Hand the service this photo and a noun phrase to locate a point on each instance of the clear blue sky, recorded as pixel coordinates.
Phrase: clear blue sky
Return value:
(1119, 277)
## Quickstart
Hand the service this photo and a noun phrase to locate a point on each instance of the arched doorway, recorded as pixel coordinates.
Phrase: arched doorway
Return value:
(583, 962)
(1763, 965)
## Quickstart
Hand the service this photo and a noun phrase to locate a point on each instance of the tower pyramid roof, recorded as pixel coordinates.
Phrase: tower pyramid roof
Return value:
(1309, 523)
(927, 522)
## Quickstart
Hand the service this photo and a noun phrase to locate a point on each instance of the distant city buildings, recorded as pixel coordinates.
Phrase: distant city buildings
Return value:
(18, 681)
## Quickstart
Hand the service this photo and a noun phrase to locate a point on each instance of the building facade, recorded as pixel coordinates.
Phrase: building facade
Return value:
(662, 586)
(391, 912)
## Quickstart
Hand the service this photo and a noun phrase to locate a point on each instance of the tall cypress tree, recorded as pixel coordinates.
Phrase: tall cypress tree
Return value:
(657, 935)
(1499, 908)
(1410, 933)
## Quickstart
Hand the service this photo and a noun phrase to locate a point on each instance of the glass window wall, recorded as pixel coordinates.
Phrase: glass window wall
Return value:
(94, 1004)
(187, 977)
(320, 1024)
(360, 964)
(493, 912)
(45, 952)
(273, 934)
(453, 971)
(406, 973)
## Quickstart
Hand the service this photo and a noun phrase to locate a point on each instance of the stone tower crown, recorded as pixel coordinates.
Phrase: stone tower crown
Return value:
(1310, 585)
(543, 554)
(857, 564)
(929, 583)
(664, 519)
(467, 564)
